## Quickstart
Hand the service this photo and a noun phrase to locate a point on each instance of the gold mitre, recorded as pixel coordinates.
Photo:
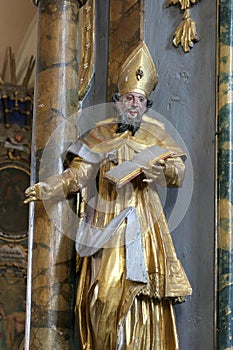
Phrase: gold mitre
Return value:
(138, 73)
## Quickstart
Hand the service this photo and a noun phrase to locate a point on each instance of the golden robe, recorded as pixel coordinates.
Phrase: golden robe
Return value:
(114, 312)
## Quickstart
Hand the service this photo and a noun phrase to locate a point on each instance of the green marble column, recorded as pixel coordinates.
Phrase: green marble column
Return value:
(225, 179)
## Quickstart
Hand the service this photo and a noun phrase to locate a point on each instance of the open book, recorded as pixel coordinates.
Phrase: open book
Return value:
(129, 169)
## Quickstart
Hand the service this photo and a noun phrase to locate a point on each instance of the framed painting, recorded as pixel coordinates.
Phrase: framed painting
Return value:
(14, 179)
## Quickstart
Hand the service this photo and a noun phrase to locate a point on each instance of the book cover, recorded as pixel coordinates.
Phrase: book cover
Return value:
(128, 170)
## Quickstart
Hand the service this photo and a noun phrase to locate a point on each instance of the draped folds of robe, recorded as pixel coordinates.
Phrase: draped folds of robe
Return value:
(114, 312)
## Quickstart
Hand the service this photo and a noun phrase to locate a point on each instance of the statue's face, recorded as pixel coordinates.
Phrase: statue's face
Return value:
(132, 105)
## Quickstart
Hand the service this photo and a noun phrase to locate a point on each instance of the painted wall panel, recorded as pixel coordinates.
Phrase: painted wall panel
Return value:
(186, 96)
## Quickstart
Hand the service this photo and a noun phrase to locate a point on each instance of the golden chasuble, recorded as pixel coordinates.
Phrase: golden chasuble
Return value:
(104, 292)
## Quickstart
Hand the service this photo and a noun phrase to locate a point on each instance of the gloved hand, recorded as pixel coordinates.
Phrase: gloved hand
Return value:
(38, 192)
(156, 172)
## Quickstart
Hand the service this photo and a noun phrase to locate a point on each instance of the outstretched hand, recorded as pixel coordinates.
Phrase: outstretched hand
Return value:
(39, 191)
(32, 193)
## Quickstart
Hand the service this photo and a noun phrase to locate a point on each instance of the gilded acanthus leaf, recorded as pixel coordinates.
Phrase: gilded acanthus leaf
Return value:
(184, 4)
(185, 33)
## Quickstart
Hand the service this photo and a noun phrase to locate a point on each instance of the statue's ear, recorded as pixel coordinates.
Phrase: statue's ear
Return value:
(149, 103)
(116, 97)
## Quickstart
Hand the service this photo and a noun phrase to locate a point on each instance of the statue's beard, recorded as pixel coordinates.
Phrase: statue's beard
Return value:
(128, 123)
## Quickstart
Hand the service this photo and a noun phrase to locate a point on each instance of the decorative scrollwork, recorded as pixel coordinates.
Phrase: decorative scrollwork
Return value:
(87, 52)
(185, 34)
(184, 4)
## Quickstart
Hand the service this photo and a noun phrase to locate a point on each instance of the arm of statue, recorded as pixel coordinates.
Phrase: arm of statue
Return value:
(56, 187)
(166, 173)
(60, 186)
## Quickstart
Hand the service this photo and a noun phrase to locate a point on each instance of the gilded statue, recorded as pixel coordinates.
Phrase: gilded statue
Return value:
(130, 276)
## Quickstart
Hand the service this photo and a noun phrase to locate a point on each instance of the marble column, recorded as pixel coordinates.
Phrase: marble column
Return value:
(56, 99)
(224, 329)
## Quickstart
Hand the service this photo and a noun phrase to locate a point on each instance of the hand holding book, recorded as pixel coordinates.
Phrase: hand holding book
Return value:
(150, 160)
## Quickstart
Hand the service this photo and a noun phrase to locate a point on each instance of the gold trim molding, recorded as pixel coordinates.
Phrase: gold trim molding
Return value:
(87, 39)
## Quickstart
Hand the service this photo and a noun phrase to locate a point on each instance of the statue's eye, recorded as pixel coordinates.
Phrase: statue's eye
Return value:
(129, 97)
